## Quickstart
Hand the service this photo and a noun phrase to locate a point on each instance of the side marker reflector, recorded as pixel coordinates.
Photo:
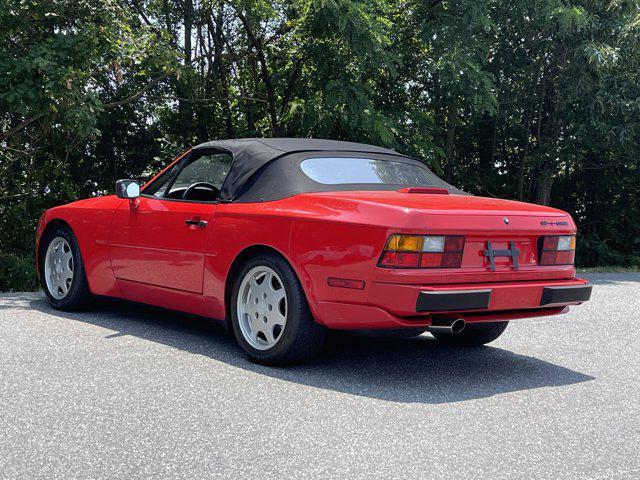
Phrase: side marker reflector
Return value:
(345, 283)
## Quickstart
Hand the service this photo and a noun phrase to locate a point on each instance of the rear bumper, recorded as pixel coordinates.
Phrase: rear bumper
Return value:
(565, 295)
(453, 300)
(394, 306)
(461, 300)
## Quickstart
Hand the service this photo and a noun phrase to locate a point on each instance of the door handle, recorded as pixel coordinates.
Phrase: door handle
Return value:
(196, 223)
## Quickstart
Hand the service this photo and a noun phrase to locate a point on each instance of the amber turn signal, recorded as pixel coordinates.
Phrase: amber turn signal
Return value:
(405, 243)
(422, 251)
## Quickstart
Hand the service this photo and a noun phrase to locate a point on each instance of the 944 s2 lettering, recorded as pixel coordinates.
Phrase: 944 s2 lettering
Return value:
(282, 239)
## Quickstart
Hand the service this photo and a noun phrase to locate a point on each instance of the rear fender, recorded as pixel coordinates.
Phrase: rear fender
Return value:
(323, 249)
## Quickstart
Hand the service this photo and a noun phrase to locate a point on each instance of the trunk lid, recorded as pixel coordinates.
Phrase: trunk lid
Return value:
(435, 203)
(488, 224)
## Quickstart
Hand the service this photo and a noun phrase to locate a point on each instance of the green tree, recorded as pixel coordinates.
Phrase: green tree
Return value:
(536, 100)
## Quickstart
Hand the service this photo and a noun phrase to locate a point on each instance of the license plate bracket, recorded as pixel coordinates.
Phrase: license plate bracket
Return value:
(512, 252)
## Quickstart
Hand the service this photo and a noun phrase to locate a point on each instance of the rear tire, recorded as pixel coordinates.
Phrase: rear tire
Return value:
(270, 316)
(474, 335)
(62, 272)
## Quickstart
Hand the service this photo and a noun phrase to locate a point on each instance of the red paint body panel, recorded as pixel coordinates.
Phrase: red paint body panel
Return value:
(90, 221)
(355, 317)
(152, 244)
(148, 254)
(238, 227)
(400, 300)
(164, 297)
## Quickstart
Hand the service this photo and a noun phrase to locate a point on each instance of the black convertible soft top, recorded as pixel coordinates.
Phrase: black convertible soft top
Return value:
(252, 154)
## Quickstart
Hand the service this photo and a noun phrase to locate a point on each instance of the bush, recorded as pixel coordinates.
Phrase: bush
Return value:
(592, 251)
(17, 274)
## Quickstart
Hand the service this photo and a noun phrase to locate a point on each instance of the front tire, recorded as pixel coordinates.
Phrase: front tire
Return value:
(474, 335)
(270, 316)
(61, 270)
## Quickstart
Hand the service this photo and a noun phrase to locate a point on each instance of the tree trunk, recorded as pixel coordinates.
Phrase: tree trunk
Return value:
(218, 40)
(486, 142)
(526, 128)
(264, 74)
(543, 185)
(167, 19)
(251, 114)
(452, 118)
(437, 127)
(188, 25)
(185, 108)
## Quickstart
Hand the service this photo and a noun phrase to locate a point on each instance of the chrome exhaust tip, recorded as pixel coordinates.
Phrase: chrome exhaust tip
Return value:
(455, 325)
(458, 325)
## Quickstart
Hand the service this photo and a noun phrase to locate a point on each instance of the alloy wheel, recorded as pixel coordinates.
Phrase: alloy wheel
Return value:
(262, 307)
(58, 268)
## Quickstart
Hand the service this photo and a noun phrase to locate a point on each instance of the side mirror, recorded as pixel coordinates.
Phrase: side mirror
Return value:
(127, 189)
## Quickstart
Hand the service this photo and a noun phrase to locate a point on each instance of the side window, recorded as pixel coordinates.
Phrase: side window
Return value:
(158, 187)
(211, 169)
(205, 175)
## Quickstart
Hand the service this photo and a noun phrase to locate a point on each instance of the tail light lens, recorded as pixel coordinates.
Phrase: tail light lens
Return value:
(422, 251)
(558, 250)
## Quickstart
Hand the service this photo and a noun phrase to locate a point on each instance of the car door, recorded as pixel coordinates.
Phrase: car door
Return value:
(160, 239)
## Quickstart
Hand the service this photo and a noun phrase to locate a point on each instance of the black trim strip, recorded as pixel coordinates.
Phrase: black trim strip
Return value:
(566, 294)
(208, 202)
(453, 301)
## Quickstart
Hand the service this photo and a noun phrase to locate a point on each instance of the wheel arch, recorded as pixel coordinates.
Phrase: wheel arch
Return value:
(238, 262)
(50, 225)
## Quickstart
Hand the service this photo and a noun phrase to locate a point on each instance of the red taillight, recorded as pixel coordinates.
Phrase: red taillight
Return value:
(422, 251)
(454, 244)
(558, 250)
(452, 260)
(550, 243)
(431, 260)
(565, 258)
(400, 259)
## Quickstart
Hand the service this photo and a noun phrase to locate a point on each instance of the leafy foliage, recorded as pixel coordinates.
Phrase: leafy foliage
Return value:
(537, 100)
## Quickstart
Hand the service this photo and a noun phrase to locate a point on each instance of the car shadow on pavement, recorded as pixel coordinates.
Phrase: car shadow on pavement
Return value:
(416, 370)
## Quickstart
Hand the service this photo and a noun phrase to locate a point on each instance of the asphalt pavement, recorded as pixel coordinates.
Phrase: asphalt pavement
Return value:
(126, 391)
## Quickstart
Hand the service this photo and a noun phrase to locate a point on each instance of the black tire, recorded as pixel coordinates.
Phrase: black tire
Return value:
(474, 335)
(302, 338)
(78, 295)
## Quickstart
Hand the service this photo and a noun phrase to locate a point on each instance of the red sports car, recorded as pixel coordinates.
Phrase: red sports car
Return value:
(282, 239)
